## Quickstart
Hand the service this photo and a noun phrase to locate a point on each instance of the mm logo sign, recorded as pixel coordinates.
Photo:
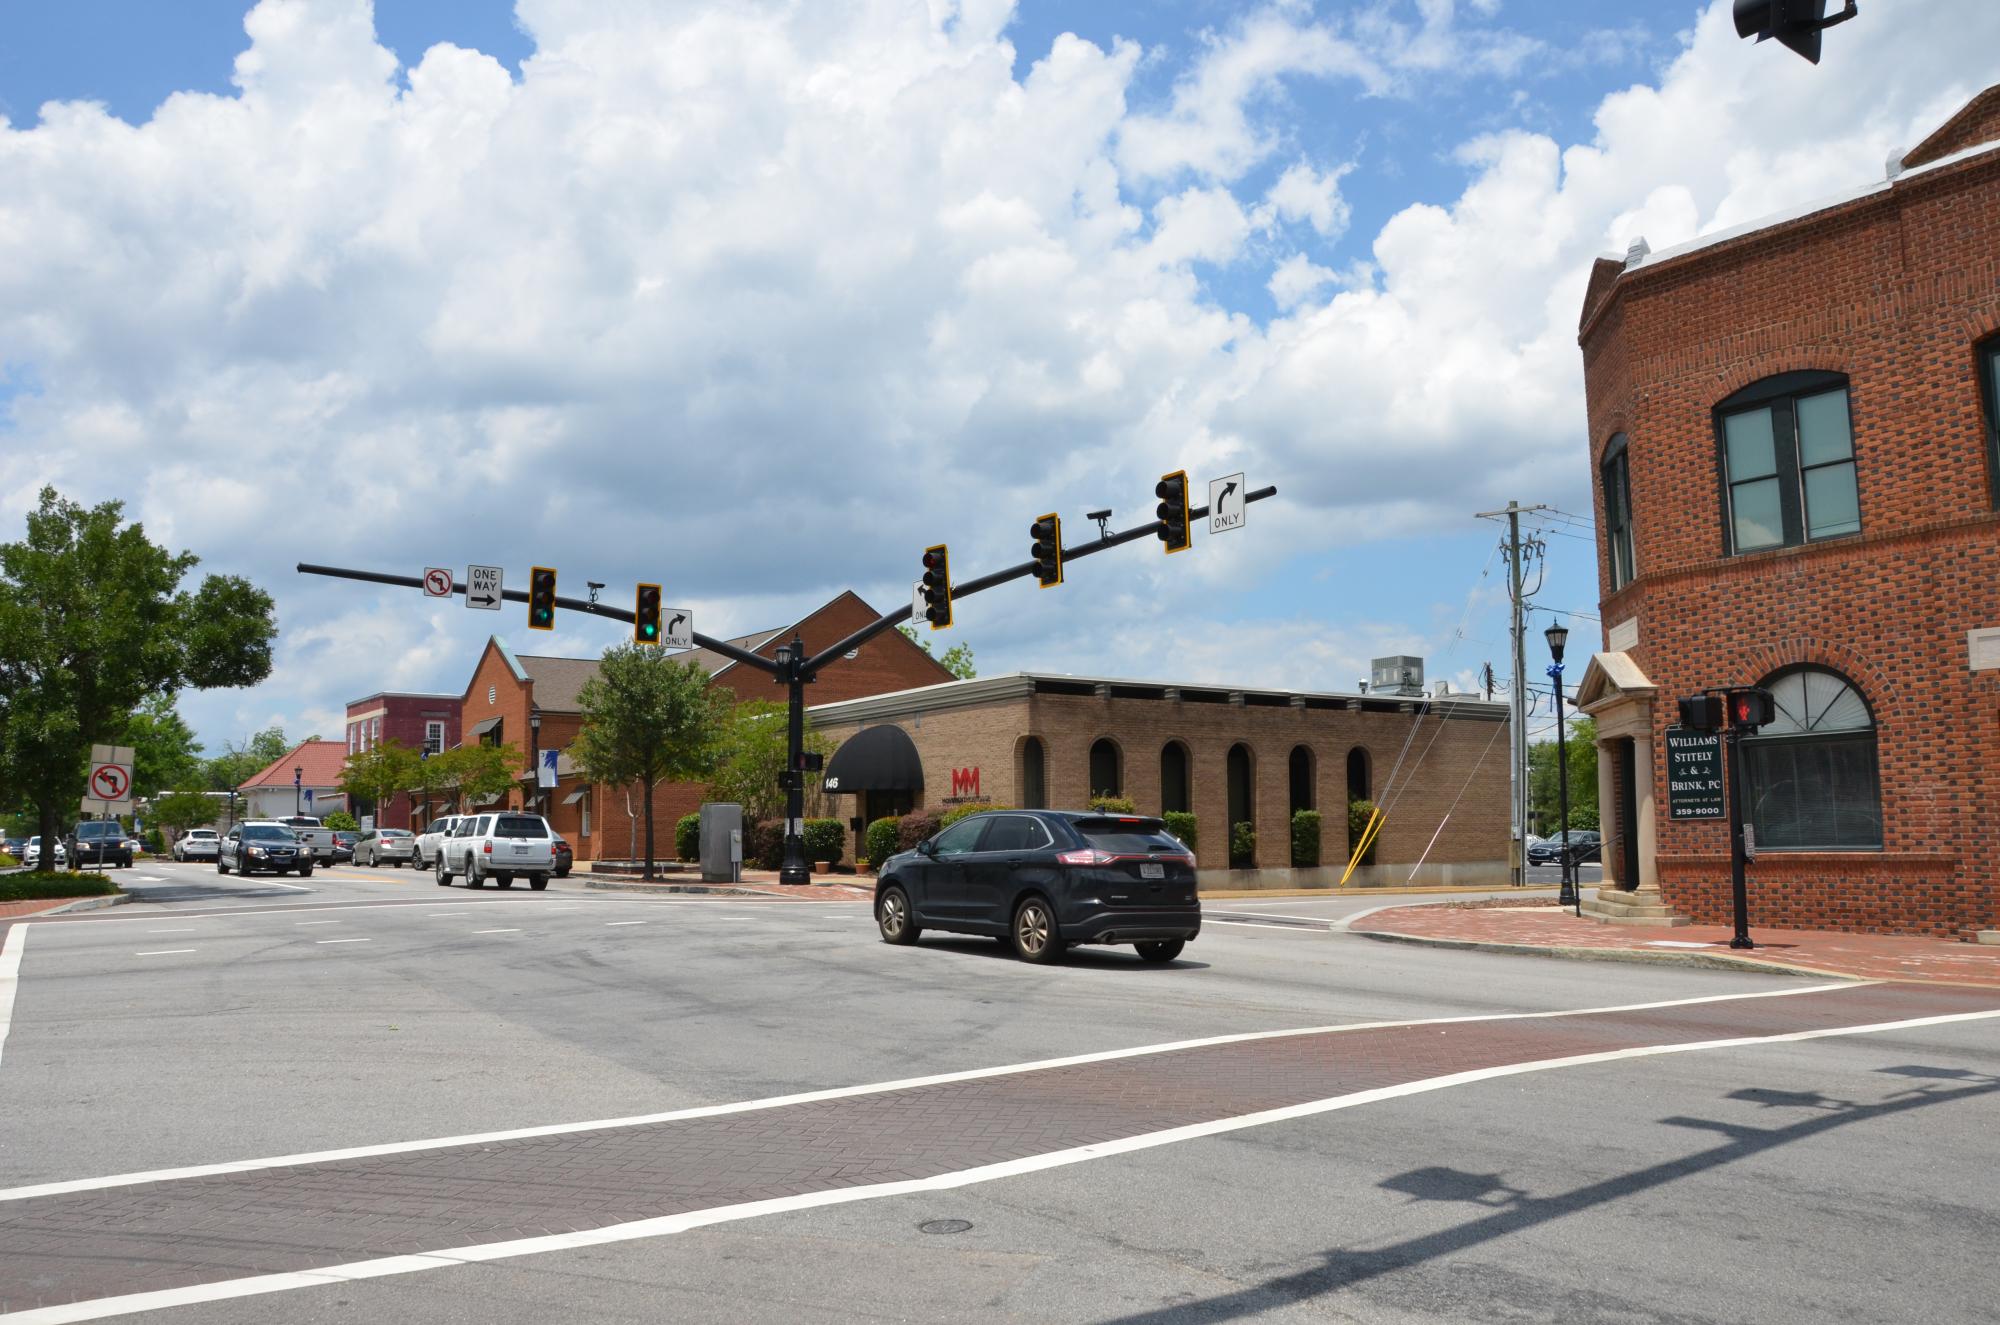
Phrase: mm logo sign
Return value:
(965, 782)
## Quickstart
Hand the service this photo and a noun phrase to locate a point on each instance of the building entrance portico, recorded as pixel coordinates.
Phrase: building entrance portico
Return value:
(1619, 698)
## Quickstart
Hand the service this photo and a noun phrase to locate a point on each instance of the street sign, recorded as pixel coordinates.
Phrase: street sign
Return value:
(482, 588)
(677, 627)
(110, 782)
(917, 603)
(1227, 503)
(1694, 775)
(437, 582)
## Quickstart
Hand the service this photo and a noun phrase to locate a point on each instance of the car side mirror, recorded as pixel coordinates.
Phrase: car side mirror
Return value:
(927, 847)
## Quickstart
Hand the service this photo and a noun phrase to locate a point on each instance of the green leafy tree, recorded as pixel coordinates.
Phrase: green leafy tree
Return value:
(754, 746)
(237, 764)
(1543, 791)
(474, 772)
(648, 717)
(428, 777)
(374, 775)
(182, 810)
(957, 659)
(93, 623)
(164, 751)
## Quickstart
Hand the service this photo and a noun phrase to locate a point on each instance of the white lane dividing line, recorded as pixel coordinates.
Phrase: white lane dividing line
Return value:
(324, 942)
(162, 952)
(10, 976)
(496, 931)
(315, 922)
(1277, 929)
(614, 924)
(873, 1088)
(681, 1223)
(189, 929)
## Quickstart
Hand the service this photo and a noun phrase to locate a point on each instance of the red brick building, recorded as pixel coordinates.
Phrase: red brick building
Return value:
(415, 721)
(509, 692)
(1793, 439)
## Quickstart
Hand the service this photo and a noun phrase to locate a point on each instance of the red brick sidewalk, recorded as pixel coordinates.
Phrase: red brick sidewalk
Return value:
(1549, 930)
(19, 910)
(763, 883)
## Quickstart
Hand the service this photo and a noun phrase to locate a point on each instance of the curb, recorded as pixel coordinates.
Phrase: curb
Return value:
(1251, 894)
(1713, 961)
(713, 889)
(82, 904)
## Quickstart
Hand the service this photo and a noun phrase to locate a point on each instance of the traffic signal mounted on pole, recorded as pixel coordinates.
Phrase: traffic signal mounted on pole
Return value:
(1750, 708)
(541, 599)
(646, 615)
(1795, 23)
(1702, 713)
(1047, 551)
(937, 586)
(1172, 490)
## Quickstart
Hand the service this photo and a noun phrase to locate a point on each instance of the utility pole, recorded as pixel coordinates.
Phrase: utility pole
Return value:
(1517, 690)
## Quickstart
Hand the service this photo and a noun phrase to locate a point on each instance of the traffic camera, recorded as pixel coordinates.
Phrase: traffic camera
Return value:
(1047, 549)
(1172, 490)
(542, 598)
(1796, 24)
(937, 586)
(646, 615)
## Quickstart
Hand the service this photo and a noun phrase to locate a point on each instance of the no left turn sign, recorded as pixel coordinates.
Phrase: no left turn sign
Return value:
(437, 582)
(110, 782)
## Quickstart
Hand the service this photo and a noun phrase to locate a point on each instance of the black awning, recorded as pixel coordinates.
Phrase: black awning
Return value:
(875, 759)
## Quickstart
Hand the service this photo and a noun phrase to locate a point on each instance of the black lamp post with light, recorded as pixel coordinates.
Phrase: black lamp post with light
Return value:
(298, 792)
(535, 762)
(1558, 637)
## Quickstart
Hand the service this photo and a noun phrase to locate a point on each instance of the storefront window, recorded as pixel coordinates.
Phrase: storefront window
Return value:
(1810, 778)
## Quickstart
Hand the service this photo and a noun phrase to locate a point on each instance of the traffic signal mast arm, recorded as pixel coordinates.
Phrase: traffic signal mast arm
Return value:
(723, 647)
(1022, 571)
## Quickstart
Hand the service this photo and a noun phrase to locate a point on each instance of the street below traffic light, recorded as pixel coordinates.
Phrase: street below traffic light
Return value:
(338, 1072)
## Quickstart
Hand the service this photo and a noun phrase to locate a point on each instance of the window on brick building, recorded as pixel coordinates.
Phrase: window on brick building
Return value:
(434, 737)
(1989, 391)
(1810, 777)
(1176, 788)
(1106, 771)
(1787, 462)
(1617, 477)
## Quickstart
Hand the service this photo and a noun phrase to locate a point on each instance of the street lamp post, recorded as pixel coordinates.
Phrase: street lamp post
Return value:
(1558, 637)
(298, 792)
(535, 760)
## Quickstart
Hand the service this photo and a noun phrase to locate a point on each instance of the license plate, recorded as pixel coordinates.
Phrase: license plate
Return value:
(1152, 870)
(520, 851)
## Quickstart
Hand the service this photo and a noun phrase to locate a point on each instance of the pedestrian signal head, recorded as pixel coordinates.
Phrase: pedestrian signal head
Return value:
(542, 598)
(1702, 713)
(1047, 549)
(1752, 707)
(1172, 490)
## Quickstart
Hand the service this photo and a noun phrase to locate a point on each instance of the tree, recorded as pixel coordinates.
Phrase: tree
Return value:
(164, 751)
(752, 753)
(182, 810)
(237, 764)
(1543, 791)
(379, 772)
(648, 718)
(93, 623)
(957, 659)
(474, 772)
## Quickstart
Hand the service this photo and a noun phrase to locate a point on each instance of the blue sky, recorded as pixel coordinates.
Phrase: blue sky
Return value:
(932, 276)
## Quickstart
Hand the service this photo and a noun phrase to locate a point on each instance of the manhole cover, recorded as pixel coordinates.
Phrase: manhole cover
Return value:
(944, 1226)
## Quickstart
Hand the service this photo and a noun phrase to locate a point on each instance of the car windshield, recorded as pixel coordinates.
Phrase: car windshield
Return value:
(99, 829)
(269, 833)
(1122, 835)
(519, 825)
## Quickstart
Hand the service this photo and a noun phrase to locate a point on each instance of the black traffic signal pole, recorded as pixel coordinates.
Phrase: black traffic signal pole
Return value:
(792, 669)
(1739, 888)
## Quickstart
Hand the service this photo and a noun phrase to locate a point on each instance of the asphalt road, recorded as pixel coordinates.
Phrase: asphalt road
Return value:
(1846, 1178)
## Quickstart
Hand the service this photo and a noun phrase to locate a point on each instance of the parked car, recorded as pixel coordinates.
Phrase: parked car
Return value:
(385, 846)
(565, 858)
(14, 846)
(32, 853)
(343, 843)
(318, 840)
(502, 847)
(99, 842)
(263, 846)
(198, 844)
(1584, 846)
(435, 832)
(1044, 880)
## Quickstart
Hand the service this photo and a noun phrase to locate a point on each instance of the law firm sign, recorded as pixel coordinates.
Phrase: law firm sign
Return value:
(1694, 775)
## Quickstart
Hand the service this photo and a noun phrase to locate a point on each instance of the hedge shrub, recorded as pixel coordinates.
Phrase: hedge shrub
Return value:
(1358, 815)
(764, 844)
(340, 821)
(957, 812)
(1113, 805)
(1305, 839)
(687, 837)
(881, 840)
(914, 828)
(1242, 845)
(1181, 824)
(825, 840)
(35, 886)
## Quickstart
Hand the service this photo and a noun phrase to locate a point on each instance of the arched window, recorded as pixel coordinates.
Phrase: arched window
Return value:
(1810, 777)
(1034, 785)
(1616, 473)
(1302, 779)
(1242, 801)
(1175, 793)
(1358, 779)
(1787, 454)
(1106, 769)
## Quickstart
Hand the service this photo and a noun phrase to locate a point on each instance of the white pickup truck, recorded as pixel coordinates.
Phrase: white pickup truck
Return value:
(503, 846)
(315, 838)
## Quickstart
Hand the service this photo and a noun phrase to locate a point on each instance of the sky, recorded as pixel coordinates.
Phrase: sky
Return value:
(759, 299)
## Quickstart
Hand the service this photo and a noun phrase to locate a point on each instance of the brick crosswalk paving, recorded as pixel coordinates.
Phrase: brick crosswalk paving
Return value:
(86, 1245)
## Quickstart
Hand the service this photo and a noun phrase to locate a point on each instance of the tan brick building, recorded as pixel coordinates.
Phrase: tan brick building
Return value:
(1793, 435)
(1438, 765)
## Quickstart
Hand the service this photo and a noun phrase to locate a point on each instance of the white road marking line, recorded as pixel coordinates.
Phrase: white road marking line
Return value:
(670, 1224)
(712, 903)
(873, 1088)
(186, 929)
(147, 878)
(1252, 924)
(496, 931)
(324, 942)
(315, 922)
(614, 924)
(162, 952)
(10, 976)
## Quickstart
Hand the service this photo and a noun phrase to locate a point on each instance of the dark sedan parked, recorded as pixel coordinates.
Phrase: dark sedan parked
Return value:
(254, 847)
(1044, 880)
(99, 842)
(565, 858)
(1584, 846)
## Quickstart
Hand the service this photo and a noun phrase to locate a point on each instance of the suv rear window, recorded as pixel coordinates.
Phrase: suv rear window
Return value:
(519, 825)
(1122, 836)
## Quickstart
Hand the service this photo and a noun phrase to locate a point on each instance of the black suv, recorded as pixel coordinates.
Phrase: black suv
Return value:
(1044, 880)
(99, 842)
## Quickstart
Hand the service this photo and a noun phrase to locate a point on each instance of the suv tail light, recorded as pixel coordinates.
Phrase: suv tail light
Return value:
(1087, 856)
(487, 847)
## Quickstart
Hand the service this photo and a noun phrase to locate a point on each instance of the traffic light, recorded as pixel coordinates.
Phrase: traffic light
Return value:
(937, 586)
(1752, 707)
(1172, 491)
(646, 615)
(1047, 550)
(1702, 713)
(541, 599)
(1795, 23)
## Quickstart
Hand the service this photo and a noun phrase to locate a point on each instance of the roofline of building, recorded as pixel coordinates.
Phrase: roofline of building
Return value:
(1021, 685)
(1764, 226)
(400, 694)
(285, 758)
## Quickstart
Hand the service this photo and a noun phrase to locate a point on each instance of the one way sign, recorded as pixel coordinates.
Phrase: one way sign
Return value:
(482, 588)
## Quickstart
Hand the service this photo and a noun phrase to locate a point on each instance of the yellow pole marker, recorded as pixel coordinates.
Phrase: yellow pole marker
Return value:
(1361, 847)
